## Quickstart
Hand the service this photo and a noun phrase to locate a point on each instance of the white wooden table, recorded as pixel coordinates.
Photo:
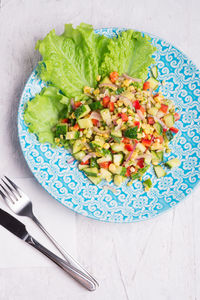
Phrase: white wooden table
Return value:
(157, 259)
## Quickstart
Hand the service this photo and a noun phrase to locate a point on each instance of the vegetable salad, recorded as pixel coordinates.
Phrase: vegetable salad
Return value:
(119, 129)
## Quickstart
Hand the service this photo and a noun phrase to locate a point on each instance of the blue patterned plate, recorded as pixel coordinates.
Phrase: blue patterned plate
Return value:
(70, 187)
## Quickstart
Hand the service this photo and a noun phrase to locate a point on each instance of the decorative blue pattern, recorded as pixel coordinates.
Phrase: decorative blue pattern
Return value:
(126, 204)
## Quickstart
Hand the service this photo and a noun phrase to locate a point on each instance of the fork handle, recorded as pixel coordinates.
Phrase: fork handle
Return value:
(69, 259)
(83, 279)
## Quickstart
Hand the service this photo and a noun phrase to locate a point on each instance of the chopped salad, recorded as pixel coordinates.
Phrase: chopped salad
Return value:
(120, 129)
(98, 103)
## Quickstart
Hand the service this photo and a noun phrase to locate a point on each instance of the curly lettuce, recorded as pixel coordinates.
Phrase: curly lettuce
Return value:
(42, 113)
(129, 53)
(73, 60)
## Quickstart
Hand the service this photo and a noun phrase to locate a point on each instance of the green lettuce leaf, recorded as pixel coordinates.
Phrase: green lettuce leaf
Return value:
(71, 61)
(129, 53)
(42, 113)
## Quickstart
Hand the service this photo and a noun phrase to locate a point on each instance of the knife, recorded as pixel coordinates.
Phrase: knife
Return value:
(17, 228)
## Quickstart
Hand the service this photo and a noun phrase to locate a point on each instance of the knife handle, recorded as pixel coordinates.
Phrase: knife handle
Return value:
(79, 276)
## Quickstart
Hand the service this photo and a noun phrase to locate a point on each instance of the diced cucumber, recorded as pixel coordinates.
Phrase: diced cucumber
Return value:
(106, 80)
(153, 83)
(93, 172)
(116, 139)
(118, 179)
(152, 111)
(95, 105)
(81, 167)
(131, 133)
(105, 174)
(169, 120)
(155, 159)
(105, 114)
(104, 159)
(148, 159)
(118, 159)
(117, 147)
(135, 176)
(160, 172)
(77, 146)
(160, 155)
(82, 111)
(169, 135)
(61, 129)
(99, 140)
(172, 163)
(103, 152)
(147, 183)
(95, 180)
(72, 135)
(158, 128)
(120, 171)
(79, 155)
(154, 72)
(85, 123)
(93, 163)
(141, 147)
(116, 133)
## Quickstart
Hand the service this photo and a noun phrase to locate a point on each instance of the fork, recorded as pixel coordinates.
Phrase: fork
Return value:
(21, 205)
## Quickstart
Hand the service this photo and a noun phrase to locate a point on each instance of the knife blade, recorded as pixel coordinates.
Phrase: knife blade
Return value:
(13, 225)
(19, 229)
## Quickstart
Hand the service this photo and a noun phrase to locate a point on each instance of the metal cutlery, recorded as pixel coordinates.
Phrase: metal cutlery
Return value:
(21, 205)
(19, 229)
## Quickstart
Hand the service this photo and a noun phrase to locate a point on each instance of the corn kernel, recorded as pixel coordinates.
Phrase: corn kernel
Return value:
(134, 155)
(98, 78)
(146, 189)
(61, 136)
(119, 121)
(168, 150)
(126, 82)
(73, 116)
(57, 140)
(119, 103)
(106, 146)
(131, 88)
(96, 92)
(112, 168)
(86, 90)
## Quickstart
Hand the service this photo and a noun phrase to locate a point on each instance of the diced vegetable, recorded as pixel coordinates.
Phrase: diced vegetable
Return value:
(72, 135)
(158, 128)
(61, 129)
(169, 120)
(116, 133)
(153, 83)
(95, 105)
(85, 123)
(174, 130)
(172, 163)
(95, 180)
(169, 135)
(131, 132)
(107, 158)
(93, 172)
(160, 172)
(105, 174)
(118, 159)
(147, 183)
(82, 111)
(117, 147)
(141, 147)
(79, 155)
(118, 179)
(93, 163)
(105, 114)
(77, 146)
